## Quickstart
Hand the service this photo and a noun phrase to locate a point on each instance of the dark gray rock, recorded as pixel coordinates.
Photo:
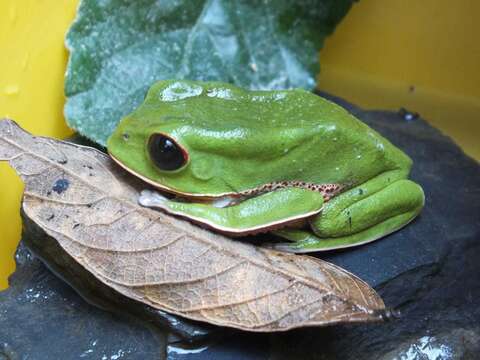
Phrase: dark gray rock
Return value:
(42, 318)
(429, 271)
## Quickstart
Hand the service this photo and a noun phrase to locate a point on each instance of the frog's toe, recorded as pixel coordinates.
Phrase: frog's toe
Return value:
(284, 247)
(149, 198)
(301, 241)
(302, 246)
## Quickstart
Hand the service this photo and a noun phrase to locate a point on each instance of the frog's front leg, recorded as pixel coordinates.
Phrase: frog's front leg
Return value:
(360, 215)
(272, 210)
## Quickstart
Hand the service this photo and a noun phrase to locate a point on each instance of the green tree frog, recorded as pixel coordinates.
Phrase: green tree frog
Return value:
(289, 162)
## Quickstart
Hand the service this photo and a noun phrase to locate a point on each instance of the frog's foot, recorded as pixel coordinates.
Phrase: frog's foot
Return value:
(357, 217)
(151, 199)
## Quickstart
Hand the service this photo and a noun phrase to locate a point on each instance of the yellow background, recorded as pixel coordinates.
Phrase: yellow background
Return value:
(422, 55)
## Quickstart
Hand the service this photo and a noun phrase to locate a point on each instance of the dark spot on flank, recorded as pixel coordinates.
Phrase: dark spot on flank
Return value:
(75, 225)
(60, 186)
(89, 205)
(50, 217)
(49, 193)
(62, 162)
(360, 191)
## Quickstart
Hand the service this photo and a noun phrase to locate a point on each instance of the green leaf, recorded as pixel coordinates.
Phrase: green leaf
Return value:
(118, 48)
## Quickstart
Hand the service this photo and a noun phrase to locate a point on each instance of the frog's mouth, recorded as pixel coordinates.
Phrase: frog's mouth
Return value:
(199, 197)
(230, 198)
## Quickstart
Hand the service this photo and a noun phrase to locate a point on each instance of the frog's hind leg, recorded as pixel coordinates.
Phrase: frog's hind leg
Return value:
(358, 216)
(306, 241)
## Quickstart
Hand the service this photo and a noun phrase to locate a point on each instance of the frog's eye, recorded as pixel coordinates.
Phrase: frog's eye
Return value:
(165, 153)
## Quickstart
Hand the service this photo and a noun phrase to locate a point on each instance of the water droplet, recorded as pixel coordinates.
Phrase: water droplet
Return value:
(171, 349)
(13, 14)
(220, 93)
(25, 61)
(427, 347)
(12, 89)
(179, 90)
(407, 115)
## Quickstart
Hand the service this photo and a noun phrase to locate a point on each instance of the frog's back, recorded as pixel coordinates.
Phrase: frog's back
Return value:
(302, 136)
(336, 146)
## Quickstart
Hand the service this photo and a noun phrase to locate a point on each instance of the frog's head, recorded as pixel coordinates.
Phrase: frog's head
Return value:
(173, 140)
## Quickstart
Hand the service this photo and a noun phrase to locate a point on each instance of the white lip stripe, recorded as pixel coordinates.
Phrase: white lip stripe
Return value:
(170, 190)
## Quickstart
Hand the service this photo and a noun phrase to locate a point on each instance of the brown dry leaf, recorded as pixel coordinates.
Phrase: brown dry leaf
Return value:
(82, 199)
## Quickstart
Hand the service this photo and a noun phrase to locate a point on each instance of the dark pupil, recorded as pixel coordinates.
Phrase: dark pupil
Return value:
(165, 153)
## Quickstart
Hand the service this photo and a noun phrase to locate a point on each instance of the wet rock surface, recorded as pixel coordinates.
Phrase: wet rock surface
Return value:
(43, 318)
(429, 271)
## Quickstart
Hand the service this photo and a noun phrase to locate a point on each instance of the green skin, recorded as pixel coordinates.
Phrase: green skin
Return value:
(239, 140)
